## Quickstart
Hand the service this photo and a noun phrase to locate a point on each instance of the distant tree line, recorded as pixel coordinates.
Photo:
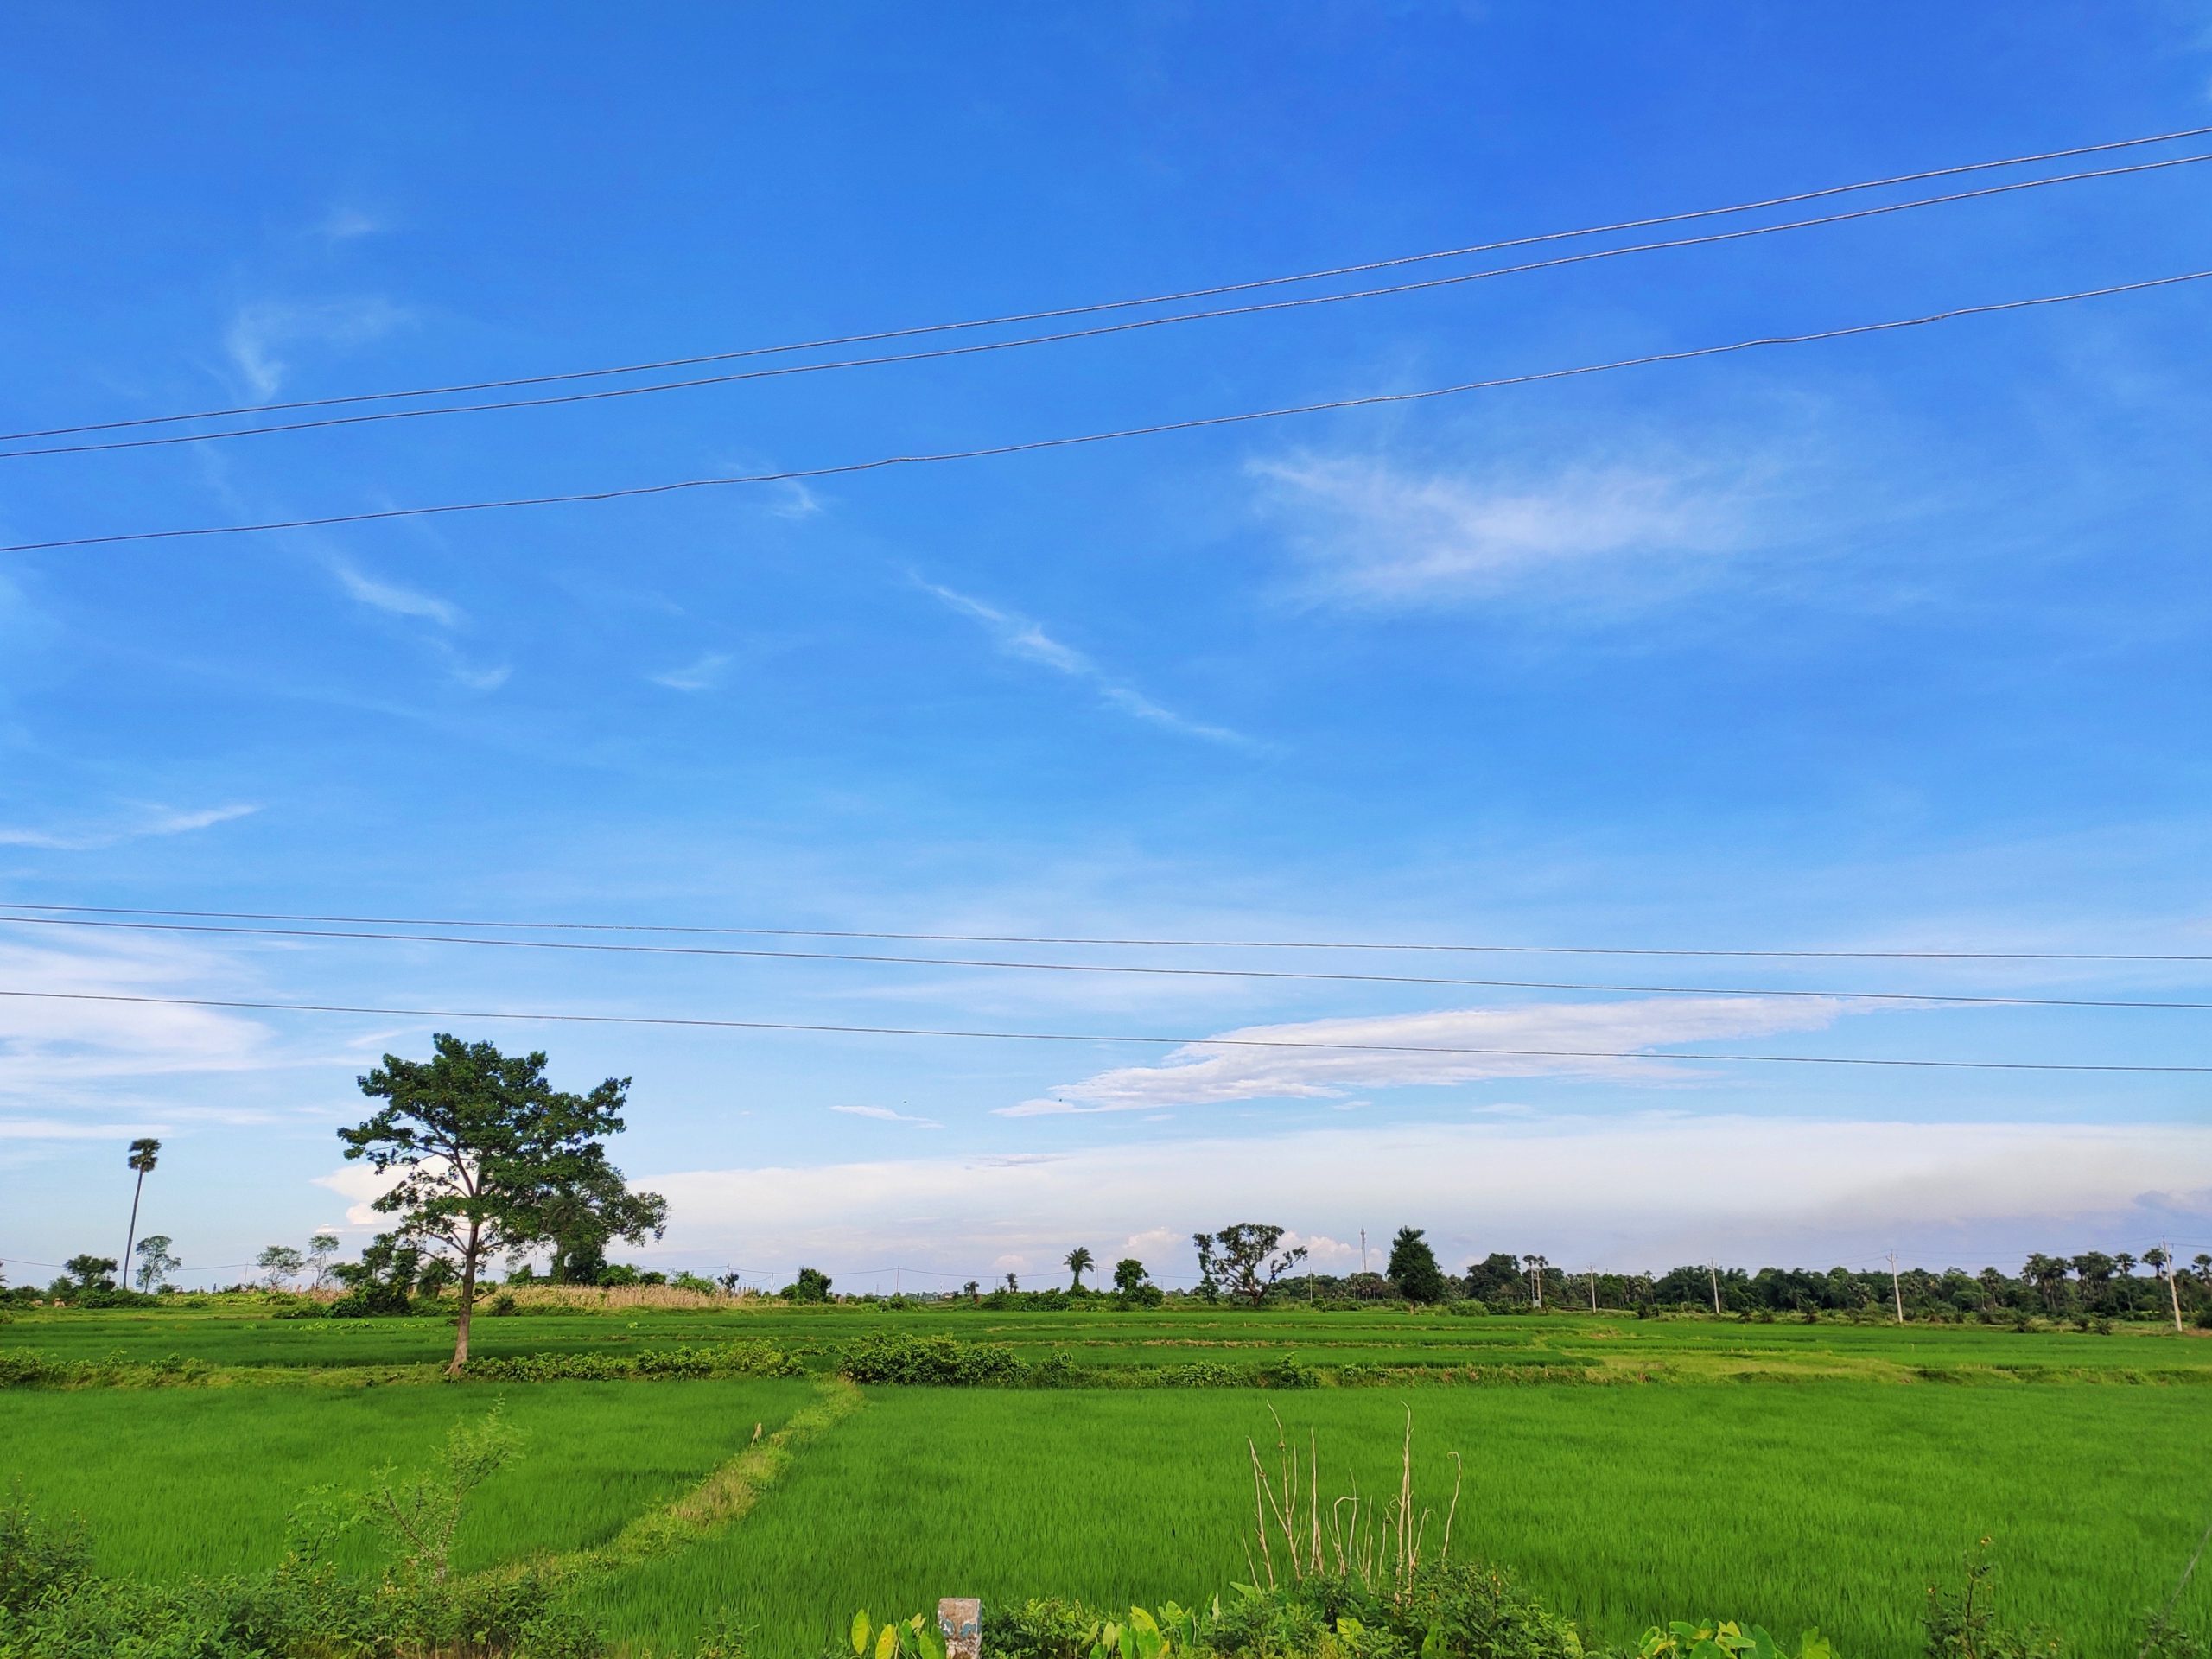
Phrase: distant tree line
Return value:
(492, 1161)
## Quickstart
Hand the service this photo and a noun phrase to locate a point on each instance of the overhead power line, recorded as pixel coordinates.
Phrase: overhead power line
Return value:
(753, 954)
(1097, 331)
(1158, 429)
(256, 1006)
(1179, 296)
(1085, 939)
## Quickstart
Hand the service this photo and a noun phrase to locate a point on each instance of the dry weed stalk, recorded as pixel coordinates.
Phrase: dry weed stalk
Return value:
(1377, 1544)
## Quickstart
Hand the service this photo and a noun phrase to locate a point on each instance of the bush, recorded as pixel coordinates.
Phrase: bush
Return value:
(1198, 1374)
(372, 1300)
(1468, 1308)
(743, 1358)
(943, 1362)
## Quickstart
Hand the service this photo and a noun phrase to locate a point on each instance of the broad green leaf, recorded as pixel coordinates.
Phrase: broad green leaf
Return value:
(860, 1627)
(886, 1642)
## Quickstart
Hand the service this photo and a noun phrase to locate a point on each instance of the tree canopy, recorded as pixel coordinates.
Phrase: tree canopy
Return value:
(494, 1160)
(1241, 1259)
(1413, 1268)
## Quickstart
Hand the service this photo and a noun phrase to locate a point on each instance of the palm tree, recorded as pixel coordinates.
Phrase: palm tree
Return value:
(145, 1153)
(1079, 1261)
(2047, 1275)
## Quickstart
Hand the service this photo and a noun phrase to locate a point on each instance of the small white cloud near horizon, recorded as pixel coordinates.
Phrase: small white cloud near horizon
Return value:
(1332, 1059)
(884, 1115)
(261, 330)
(1019, 637)
(1371, 533)
(149, 822)
(704, 674)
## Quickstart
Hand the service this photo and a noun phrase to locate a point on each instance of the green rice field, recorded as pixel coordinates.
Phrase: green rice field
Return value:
(1601, 1345)
(1627, 1470)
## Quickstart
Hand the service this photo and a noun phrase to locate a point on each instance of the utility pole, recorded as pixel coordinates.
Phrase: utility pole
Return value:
(1897, 1295)
(1713, 1269)
(2173, 1296)
(1593, 1290)
(1362, 1250)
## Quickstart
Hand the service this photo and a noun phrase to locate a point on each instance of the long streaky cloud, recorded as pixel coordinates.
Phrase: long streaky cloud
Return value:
(884, 1115)
(158, 821)
(1209, 1073)
(1019, 637)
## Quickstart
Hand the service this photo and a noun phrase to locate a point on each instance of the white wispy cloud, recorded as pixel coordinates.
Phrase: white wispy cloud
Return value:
(793, 500)
(55, 1043)
(346, 224)
(884, 1115)
(1622, 1191)
(134, 826)
(1020, 638)
(394, 600)
(1371, 532)
(476, 677)
(704, 674)
(260, 332)
(1545, 1040)
(390, 597)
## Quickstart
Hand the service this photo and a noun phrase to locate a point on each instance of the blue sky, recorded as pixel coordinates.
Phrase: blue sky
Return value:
(1888, 643)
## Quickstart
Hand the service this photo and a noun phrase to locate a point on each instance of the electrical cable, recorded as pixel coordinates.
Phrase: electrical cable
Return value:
(702, 1023)
(751, 954)
(1034, 445)
(1199, 944)
(1095, 307)
(938, 353)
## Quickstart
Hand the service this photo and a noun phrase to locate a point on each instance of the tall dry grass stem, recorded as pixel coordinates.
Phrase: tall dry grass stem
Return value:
(1379, 1544)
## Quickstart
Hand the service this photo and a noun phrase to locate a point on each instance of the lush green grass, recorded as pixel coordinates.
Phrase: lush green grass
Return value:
(1792, 1473)
(177, 1482)
(248, 1337)
(1833, 1503)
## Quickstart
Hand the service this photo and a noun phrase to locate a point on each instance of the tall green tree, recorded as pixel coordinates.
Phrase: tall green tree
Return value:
(281, 1263)
(1413, 1268)
(1241, 1258)
(145, 1153)
(155, 1261)
(812, 1285)
(90, 1273)
(492, 1158)
(1080, 1262)
(320, 1249)
(1129, 1276)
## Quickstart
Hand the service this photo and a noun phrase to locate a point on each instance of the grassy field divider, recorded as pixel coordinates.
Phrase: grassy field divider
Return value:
(721, 1500)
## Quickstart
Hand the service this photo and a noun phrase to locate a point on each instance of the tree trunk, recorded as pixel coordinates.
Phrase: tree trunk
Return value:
(467, 1302)
(122, 1268)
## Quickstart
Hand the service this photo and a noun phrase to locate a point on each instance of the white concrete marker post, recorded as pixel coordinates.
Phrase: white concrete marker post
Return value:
(960, 1621)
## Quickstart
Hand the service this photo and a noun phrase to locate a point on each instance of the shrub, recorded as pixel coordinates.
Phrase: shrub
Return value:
(945, 1361)
(1468, 1308)
(742, 1358)
(1198, 1374)
(37, 1559)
